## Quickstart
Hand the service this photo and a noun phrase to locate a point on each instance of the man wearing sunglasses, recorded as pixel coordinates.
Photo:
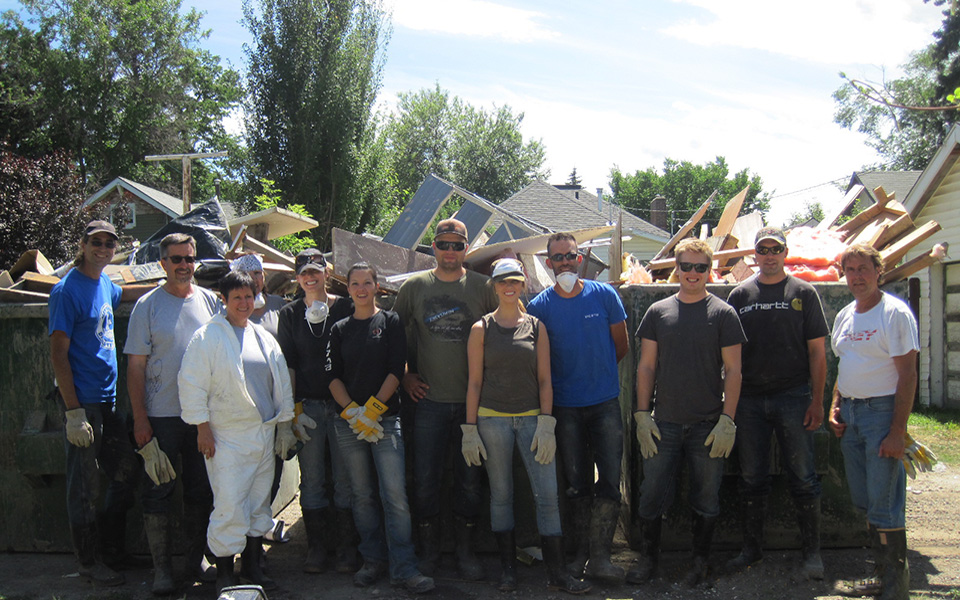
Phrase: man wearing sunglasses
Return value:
(438, 308)
(161, 325)
(586, 324)
(690, 354)
(784, 373)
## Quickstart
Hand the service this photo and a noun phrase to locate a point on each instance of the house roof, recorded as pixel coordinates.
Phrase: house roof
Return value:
(568, 209)
(938, 167)
(165, 203)
(899, 182)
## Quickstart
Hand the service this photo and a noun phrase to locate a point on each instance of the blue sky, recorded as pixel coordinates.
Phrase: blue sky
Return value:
(629, 83)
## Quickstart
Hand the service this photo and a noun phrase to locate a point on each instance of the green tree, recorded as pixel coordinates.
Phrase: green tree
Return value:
(270, 197)
(314, 71)
(112, 81)
(574, 178)
(811, 210)
(686, 186)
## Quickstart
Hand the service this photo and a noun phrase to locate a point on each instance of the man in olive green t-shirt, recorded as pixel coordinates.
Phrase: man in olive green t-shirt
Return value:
(438, 308)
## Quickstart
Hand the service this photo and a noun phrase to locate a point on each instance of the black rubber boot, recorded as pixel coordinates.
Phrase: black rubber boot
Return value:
(157, 527)
(196, 519)
(507, 546)
(646, 567)
(226, 576)
(894, 568)
(113, 542)
(316, 560)
(428, 536)
(808, 517)
(603, 526)
(702, 540)
(580, 509)
(753, 512)
(347, 540)
(91, 568)
(557, 576)
(250, 564)
(467, 563)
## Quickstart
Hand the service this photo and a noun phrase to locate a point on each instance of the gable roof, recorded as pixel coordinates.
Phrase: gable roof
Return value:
(165, 203)
(899, 182)
(938, 167)
(568, 209)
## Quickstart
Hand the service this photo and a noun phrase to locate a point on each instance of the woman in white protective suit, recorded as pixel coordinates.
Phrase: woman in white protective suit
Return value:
(235, 387)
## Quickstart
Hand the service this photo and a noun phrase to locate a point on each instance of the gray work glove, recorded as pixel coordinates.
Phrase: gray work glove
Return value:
(285, 439)
(79, 430)
(722, 437)
(544, 439)
(472, 446)
(646, 430)
(156, 463)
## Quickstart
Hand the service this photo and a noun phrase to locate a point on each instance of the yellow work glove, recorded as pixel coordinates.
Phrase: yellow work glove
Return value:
(544, 439)
(368, 425)
(79, 430)
(917, 456)
(722, 436)
(156, 463)
(646, 430)
(351, 413)
(301, 423)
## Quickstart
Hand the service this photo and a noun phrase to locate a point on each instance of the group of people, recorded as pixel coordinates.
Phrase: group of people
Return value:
(229, 385)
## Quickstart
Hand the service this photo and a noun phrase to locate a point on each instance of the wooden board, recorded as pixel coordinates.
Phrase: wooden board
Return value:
(31, 260)
(22, 296)
(910, 267)
(687, 227)
(841, 207)
(5, 279)
(892, 255)
(616, 250)
(669, 263)
(730, 213)
(350, 248)
(277, 221)
(891, 231)
(270, 254)
(745, 228)
(741, 271)
(535, 244)
(35, 282)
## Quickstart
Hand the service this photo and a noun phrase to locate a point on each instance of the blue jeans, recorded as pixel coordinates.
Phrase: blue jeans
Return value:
(759, 417)
(436, 435)
(588, 436)
(177, 438)
(681, 444)
(110, 451)
(500, 435)
(367, 466)
(313, 459)
(877, 485)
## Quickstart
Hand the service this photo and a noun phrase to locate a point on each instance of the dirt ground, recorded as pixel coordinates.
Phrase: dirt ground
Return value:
(933, 521)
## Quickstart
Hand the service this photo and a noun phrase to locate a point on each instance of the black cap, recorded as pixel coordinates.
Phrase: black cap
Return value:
(311, 258)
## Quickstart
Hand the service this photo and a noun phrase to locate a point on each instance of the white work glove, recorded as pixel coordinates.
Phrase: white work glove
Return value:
(722, 437)
(544, 439)
(79, 431)
(156, 463)
(367, 429)
(646, 430)
(472, 446)
(285, 439)
(917, 456)
(301, 423)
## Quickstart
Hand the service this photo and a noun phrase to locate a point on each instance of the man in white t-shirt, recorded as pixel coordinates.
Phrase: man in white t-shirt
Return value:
(876, 339)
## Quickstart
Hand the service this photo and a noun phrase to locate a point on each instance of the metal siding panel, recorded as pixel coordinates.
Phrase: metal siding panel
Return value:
(418, 214)
(475, 217)
(502, 234)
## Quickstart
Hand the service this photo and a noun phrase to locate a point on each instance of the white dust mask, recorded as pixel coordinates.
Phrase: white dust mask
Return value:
(259, 302)
(317, 312)
(567, 281)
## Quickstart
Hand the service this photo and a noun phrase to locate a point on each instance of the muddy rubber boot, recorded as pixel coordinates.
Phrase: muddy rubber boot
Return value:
(347, 540)
(91, 567)
(646, 567)
(894, 568)
(467, 564)
(226, 576)
(869, 585)
(316, 560)
(603, 526)
(753, 512)
(558, 578)
(428, 539)
(507, 547)
(157, 527)
(113, 543)
(702, 540)
(580, 509)
(250, 564)
(196, 519)
(808, 517)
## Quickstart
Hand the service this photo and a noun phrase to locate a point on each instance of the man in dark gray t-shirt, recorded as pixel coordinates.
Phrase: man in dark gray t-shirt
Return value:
(690, 353)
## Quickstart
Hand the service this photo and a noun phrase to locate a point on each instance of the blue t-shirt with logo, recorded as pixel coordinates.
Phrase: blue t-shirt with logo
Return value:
(583, 357)
(82, 308)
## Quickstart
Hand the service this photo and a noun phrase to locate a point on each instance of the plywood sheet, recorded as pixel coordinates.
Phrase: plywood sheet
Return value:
(350, 248)
(730, 213)
(278, 221)
(687, 227)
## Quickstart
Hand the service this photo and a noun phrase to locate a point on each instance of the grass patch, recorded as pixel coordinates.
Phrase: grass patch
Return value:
(939, 429)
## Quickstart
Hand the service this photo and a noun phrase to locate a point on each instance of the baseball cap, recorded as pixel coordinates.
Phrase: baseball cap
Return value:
(99, 226)
(311, 258)
(508, 268)
(451, 226)
(771, 233)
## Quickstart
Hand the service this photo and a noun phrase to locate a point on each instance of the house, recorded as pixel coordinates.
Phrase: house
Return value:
(892, 182)
(936, 196)
(150, 209)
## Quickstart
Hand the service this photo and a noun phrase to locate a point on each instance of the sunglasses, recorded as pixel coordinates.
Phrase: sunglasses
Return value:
(176, 259)
(765, 250)
(455, 246)
(562, 257)
(109, 243)
(686, 267)
(316, 260)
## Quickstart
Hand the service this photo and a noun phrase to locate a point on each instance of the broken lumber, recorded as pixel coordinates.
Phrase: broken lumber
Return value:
(667, 263)
(842, 207)
(892, 255)
(730, 213)
(937, 254)
(687, 227)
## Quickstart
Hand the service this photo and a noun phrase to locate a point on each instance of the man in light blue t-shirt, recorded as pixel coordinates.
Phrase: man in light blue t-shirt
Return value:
(587, 328)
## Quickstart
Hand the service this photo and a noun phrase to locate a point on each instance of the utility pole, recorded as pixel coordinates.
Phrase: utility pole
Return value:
(186, 168)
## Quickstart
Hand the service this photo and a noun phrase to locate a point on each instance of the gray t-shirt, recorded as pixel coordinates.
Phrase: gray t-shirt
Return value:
(689, 384)
(270, 318)
(256, 371)
(160, 328)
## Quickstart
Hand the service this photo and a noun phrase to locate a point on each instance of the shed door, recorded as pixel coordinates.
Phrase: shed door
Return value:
(952, 274)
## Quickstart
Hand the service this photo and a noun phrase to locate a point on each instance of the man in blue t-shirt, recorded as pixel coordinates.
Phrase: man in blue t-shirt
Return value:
(587, 328)
(84, 355)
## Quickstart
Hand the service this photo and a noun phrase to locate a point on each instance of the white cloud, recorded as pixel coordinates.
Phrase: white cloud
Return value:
(473, 18)
(825, 31)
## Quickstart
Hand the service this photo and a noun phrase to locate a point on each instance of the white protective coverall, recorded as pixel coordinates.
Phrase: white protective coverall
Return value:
(213, 389)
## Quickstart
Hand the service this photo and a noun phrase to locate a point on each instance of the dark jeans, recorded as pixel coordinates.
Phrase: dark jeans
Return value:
(759, 417)
(436, 435)
(112, 452)
(588, 436)
(177, 438)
